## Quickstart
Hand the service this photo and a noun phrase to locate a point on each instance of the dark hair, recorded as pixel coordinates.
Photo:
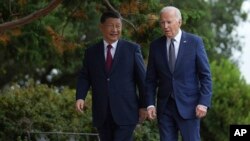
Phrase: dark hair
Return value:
(109, 14)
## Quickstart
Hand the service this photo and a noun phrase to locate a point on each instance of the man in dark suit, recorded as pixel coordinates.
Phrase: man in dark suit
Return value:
(115, 70)
(178, 73)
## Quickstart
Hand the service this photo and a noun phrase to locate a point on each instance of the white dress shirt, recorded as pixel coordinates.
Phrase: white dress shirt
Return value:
(114, 45)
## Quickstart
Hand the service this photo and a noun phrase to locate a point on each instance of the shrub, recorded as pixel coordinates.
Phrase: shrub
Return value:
(40, 108)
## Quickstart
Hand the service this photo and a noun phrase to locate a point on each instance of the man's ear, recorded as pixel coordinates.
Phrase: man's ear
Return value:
(180, 22)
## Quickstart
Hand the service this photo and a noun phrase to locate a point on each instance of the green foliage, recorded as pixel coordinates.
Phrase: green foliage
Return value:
(230, 101)
(148, 131)
(40, 108)
(225, 19)
(58, 40)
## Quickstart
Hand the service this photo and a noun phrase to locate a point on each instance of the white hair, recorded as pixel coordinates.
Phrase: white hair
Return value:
(172, 8)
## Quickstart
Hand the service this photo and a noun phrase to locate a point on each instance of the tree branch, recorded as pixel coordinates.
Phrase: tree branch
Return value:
(114, 10)
(28, 19)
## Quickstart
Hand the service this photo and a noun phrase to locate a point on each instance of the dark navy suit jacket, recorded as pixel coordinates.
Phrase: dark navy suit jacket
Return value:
(190, 81)
(122, 88)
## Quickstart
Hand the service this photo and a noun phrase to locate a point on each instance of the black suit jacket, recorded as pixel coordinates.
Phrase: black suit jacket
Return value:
(117, 88)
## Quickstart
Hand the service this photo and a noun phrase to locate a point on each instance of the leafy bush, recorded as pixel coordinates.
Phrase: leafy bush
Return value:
(40, 108)
(230, 102)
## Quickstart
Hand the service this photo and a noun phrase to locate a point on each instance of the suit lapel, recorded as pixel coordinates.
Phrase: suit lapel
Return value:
(116, 56)
(100, 55)
(163, 51)
(182, 46)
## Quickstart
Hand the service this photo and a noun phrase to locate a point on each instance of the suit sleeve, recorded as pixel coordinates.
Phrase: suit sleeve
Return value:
(151, 79)
(204, 75)
(83, 82)
(140, 73)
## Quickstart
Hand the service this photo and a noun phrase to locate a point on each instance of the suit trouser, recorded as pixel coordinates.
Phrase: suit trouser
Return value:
(171, 123)
(110, 131)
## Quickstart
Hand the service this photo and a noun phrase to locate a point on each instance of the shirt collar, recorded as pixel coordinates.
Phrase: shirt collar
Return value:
(114, 44)
(177, 37)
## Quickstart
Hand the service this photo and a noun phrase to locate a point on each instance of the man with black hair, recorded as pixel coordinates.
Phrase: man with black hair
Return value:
(115, 70)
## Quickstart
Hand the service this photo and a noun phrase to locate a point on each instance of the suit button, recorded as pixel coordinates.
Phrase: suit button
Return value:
(108, 79)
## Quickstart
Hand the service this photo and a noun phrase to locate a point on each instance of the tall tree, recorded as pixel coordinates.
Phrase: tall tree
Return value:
(57, 41)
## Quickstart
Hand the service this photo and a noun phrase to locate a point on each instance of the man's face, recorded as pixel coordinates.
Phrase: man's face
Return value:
(111, 29)
(170, 24)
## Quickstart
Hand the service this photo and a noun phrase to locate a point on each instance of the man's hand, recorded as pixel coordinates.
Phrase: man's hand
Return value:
(151, 113)
(79, 105)
(142, 114)
(201, 111)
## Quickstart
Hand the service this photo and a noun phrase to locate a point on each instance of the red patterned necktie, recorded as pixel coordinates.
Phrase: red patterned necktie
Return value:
(108, 59)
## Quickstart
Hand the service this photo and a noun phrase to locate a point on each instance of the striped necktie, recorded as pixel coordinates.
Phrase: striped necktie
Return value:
(171, 53)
